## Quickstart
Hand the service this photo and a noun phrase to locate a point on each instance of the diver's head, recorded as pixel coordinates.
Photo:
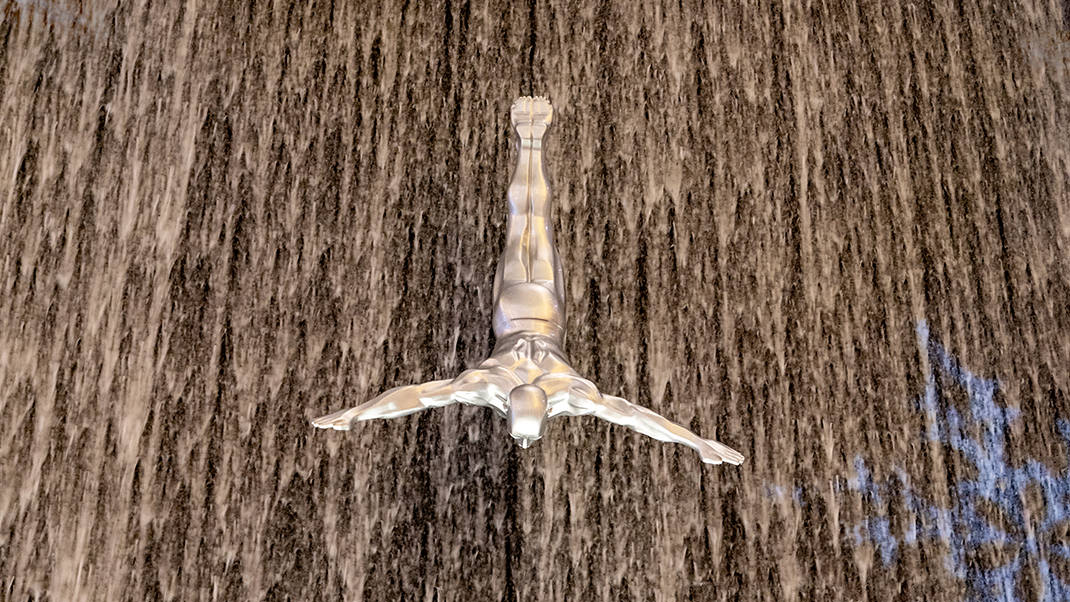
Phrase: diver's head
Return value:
(527, 414)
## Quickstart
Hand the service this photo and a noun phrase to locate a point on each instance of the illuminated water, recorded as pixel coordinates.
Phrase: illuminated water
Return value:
(217, 222)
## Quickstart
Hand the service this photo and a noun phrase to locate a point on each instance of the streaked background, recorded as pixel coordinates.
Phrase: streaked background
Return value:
(833, 234)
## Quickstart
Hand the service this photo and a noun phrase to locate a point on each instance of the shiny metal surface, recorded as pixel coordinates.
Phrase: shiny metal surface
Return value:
(527, 378)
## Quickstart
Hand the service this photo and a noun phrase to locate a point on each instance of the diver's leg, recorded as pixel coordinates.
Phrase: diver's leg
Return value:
(529, 293)
(530, 254)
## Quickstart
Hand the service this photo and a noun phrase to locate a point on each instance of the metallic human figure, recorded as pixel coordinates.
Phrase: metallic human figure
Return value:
(527, 378)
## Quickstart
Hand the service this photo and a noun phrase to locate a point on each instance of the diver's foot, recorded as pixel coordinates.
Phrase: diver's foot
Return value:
(532, 115)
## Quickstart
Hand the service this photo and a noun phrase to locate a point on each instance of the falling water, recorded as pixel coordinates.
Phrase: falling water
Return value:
(218, 221)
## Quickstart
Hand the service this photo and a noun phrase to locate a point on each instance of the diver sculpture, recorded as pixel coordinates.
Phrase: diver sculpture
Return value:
(527, 378)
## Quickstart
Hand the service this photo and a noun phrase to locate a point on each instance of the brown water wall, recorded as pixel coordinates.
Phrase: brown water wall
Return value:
(833, 234)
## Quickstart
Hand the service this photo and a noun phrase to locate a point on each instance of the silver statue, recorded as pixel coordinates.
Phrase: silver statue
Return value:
(527, 379)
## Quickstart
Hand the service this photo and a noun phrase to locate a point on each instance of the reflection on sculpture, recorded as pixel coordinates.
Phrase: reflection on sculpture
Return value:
(527, 378)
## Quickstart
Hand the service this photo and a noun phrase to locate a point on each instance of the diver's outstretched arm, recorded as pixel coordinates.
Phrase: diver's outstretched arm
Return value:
(647, 422)
(473, 387)
(652, 424)
(398, 401)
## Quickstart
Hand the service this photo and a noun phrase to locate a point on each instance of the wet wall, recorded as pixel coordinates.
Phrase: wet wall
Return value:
(834, 235)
